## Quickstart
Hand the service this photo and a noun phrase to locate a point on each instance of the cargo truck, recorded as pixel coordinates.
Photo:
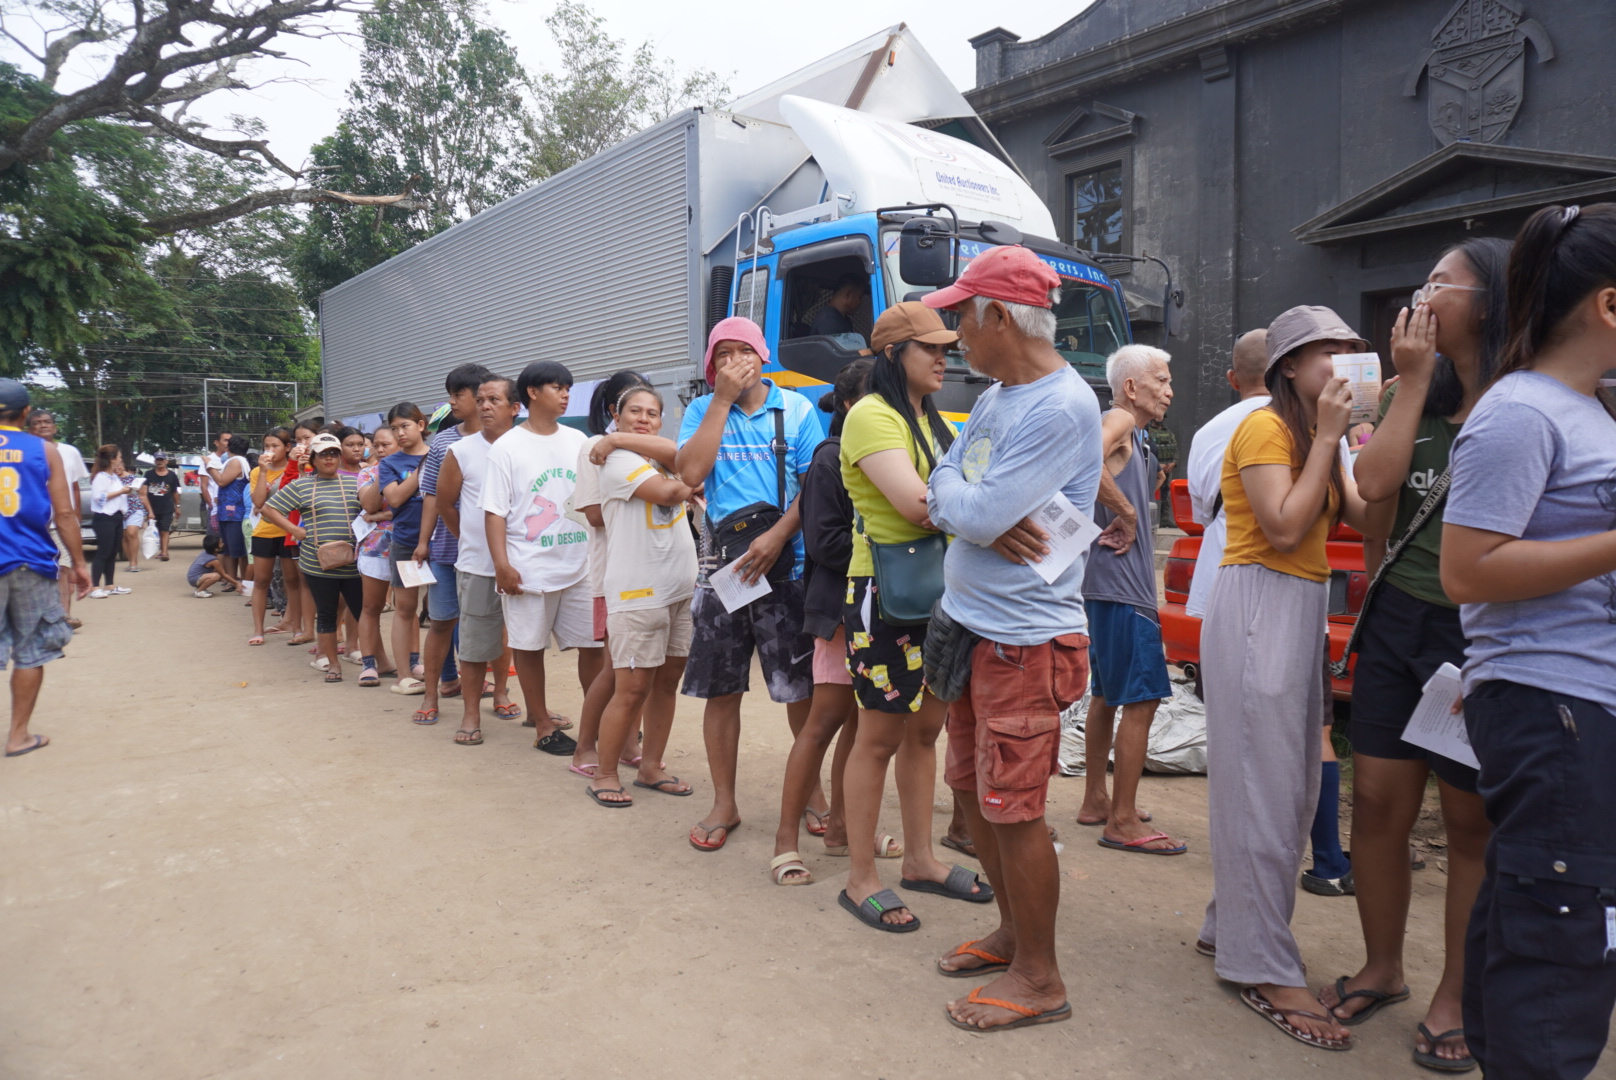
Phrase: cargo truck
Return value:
(868, 164)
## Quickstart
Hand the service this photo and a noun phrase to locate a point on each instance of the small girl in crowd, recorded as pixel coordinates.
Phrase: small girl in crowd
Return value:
(396, 488)
(205, 570)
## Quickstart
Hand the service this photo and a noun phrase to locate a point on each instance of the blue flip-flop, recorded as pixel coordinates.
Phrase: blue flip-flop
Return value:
(1138, 848)
(39, 740)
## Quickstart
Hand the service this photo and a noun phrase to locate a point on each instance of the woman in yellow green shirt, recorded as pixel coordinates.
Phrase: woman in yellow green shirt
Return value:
(890, 442)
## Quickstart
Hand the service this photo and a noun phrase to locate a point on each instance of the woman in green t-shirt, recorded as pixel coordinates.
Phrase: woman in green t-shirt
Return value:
(890, 442)
(1445, 351)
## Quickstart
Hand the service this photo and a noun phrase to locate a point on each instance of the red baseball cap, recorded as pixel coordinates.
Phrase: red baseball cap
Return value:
(1011, 273)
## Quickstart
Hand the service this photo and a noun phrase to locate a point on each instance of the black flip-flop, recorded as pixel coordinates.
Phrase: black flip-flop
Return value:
(964, 848)
(956, 887)
(1377, 1001)
(659, 786)
(596, 795)
(1430, 1060)
(870, 911)
(558, 744)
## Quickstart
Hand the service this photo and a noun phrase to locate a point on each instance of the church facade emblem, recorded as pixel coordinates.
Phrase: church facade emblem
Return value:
(1477, 67)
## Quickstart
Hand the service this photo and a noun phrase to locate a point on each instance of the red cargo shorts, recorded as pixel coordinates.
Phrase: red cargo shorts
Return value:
(1004, 731)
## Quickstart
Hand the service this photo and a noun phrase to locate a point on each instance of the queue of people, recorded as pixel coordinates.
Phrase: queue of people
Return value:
(887, 583)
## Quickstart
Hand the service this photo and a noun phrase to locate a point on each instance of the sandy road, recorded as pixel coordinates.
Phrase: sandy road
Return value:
(286, 879)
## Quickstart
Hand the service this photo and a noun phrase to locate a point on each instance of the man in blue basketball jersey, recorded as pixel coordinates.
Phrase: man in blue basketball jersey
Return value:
(33, 626)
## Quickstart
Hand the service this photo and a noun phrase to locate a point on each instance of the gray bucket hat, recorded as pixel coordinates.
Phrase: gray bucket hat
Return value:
(1294, 328)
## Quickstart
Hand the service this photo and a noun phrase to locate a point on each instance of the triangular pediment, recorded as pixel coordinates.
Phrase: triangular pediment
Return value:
(1464, 180)
(1090, 125)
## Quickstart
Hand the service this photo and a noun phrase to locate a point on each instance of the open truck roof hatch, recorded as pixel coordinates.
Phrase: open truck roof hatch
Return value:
(881, 162)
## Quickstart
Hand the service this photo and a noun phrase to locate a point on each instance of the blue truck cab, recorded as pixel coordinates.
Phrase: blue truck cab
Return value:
(789, 277)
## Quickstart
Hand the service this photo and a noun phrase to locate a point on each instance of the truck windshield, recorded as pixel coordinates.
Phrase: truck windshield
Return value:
(1089, 323)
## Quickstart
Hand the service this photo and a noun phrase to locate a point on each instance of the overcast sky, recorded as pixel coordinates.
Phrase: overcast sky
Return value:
(752, 44)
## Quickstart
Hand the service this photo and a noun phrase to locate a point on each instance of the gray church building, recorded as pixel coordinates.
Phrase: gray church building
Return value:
(1282, 152)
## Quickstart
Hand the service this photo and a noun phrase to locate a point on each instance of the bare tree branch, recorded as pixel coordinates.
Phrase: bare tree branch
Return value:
(263, 200)
(226, 148)
(136, 77)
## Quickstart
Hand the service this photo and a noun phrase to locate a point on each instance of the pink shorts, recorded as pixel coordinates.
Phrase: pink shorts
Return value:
(830, 660)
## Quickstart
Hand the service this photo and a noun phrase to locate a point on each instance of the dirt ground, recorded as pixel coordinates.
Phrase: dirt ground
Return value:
(222, 867)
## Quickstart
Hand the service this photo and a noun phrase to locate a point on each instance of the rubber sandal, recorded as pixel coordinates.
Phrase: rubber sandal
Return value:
(509, 712)
(368, 677)
(322, 664)
(1204, 949)
(608, 804)
(408, 687)
(449, 693)
(870, 911)
(425, 717)
(817, 822)
(886, 847)
(1428, 1059)
(562, 723)
(333, 676)
(659, 786)
(1029, 1017)
(957, 887)
(1138, 848)
(587, 771)
(965, 847)
(1377, 1001)
(295, 640)
(1279, 1018)
(781, 865)
(707, 835)
(38, 741)
(488, 688)
(256, 639)
(475, 737)
(994, 963)
(276, 630)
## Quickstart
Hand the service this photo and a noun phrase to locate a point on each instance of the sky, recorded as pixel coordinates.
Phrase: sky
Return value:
(752, 44)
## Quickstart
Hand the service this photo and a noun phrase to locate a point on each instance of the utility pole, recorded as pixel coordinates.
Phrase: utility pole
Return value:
(99, 441)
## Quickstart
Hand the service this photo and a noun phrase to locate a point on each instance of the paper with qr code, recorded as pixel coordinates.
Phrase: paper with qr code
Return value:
(1363, 377)
(1069, 531)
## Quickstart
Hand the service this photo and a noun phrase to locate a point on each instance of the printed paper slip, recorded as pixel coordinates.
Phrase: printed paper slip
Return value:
(1070, 533)
(735, 593)
(1435, 726)
(362, 528)
(1363, 376)
(415, 574)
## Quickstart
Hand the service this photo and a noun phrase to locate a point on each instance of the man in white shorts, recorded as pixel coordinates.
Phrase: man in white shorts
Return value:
(482, 618)
(540, 555)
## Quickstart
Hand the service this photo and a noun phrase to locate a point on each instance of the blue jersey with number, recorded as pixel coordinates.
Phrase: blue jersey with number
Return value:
(25, 503)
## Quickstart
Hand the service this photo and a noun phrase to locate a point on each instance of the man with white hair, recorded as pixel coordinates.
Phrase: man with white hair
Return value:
(1006, 648)
(1119, 594)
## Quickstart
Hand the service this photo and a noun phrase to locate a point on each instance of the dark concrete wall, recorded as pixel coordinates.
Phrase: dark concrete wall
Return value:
(1223, 171)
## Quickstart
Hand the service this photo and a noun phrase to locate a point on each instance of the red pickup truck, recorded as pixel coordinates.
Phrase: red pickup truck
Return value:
(1181, 632)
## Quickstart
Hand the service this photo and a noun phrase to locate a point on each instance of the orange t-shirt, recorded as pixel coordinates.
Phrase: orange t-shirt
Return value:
(1263, 439)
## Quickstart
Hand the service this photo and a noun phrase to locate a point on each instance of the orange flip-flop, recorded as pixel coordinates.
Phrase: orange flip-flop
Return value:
(1029, 1017)
(994, 963)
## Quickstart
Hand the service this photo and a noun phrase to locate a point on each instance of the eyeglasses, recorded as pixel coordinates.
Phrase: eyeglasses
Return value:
(1425, 292)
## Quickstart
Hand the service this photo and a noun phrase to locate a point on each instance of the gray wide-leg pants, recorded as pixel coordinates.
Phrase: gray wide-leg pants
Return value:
(1261, 644)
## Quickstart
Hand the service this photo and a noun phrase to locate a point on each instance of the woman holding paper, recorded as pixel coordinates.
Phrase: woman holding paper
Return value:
(397, 488)
(888, 452)
(1445, 350)
(1529, 552)
(135, 520)
(1262, 649)
(268, 543)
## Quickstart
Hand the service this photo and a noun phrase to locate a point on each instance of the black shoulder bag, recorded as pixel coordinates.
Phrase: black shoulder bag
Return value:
(734, 533)
(1433, 499)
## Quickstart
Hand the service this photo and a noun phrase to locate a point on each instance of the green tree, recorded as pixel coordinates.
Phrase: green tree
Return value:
(437, 112)
(603, 94)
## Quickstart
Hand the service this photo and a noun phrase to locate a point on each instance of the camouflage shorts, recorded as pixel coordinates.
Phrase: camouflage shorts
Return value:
(721, 649)
(33, 626)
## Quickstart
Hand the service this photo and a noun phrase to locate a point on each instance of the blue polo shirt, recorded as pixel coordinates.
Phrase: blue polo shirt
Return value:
(744, 471)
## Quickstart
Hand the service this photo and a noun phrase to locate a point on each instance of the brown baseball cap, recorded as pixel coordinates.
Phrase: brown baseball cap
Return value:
(1300, 325)
(910, 321)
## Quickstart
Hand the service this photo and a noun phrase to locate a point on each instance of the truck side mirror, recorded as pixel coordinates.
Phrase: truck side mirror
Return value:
(926, 252)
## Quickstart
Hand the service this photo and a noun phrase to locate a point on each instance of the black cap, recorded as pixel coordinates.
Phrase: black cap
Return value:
(159, 456)
(13, 395)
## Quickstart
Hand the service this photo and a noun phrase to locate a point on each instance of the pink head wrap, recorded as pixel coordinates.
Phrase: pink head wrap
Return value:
(734, 328)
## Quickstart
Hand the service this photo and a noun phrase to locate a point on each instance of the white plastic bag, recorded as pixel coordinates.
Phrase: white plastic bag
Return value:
(1177, 735)
(149, 544)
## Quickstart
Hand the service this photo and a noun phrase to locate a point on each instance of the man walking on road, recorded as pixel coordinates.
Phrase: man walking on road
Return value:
(1119, 593)
(33, 627)
(1022, 649)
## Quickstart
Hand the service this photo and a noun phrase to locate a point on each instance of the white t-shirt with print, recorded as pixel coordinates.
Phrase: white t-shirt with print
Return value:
(528, 481)
(471, 454)
(588, 494)
(650, 554)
